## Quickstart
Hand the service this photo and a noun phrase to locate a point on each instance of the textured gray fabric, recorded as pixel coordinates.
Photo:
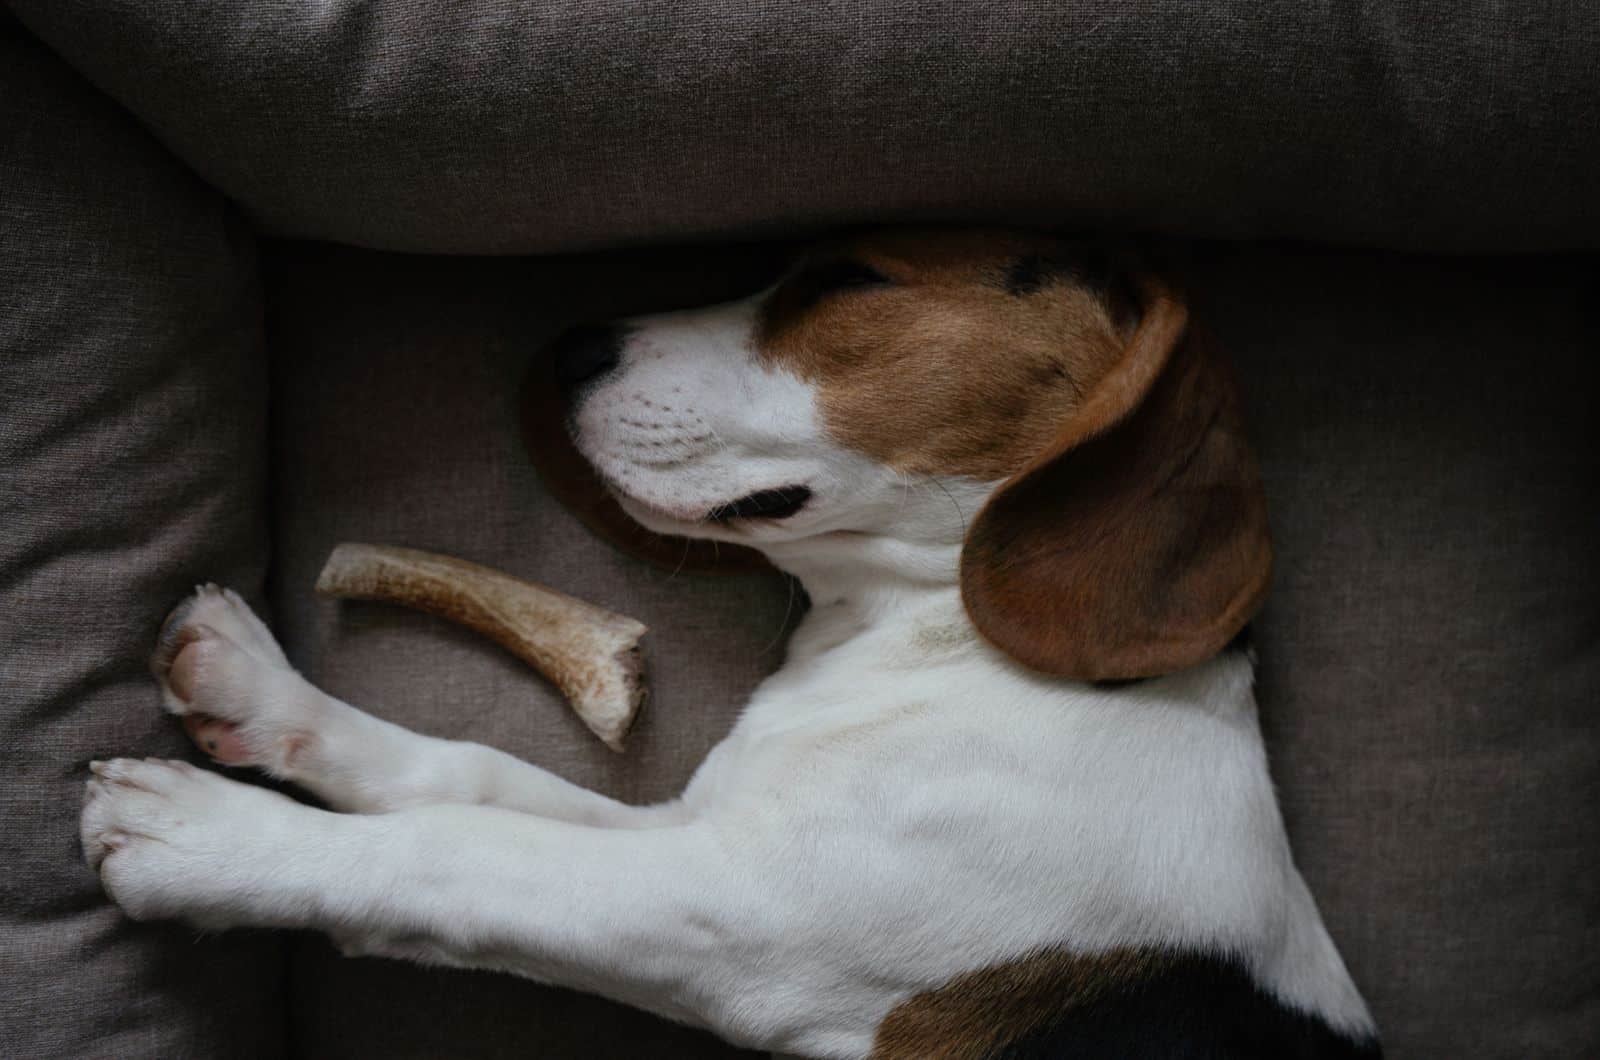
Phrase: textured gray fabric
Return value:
(509, 126)
(1430, 655)
(1430, 661)
(132, 464)
(396, 423)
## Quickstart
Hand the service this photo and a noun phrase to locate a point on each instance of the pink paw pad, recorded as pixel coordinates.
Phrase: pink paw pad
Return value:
(217, 738)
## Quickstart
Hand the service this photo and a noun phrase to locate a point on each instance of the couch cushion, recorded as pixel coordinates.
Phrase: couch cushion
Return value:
(1429, 661)
(132, 439)
(397, 422)
(498, 125)
(1430, 655)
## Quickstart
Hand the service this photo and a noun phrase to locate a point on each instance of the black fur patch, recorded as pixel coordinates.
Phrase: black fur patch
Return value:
(1091, 268)
(1118, 682)
(1200, 1008)
(1031, 273)
(1243, 641)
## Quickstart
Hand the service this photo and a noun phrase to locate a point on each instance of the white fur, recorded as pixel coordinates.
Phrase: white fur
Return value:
(898, 804)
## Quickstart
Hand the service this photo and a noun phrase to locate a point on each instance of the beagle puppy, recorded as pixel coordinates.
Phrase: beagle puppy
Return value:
(1007, 796)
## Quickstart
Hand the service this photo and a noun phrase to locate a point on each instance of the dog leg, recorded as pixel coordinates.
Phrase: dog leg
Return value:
(632, 914)
(222, 671)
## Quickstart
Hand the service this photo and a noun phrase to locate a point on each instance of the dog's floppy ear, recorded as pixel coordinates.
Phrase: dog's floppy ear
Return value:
(1137, 544)
(570, 479)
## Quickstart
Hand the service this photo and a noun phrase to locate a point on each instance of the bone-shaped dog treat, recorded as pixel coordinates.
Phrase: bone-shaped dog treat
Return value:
(592, 655)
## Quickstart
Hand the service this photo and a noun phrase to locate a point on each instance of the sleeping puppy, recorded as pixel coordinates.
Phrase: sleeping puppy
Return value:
(1006, 797)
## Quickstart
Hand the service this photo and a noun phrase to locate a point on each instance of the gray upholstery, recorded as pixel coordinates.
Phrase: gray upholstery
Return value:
(508, 126)
(1431, 653)
(1428, 659)
(396, 381)
(132, 465)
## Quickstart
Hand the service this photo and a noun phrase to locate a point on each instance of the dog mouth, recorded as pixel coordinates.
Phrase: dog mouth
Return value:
(773, 504)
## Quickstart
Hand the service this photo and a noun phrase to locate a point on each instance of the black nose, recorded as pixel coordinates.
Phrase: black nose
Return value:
(586, 352)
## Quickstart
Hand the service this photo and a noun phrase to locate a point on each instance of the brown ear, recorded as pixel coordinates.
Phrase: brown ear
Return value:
(570, 479)
(1137, 544)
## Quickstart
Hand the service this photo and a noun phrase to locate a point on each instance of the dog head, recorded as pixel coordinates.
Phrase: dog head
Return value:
(1011, 401)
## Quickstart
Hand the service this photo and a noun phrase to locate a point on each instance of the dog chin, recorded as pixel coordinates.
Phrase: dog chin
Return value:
(683, 522)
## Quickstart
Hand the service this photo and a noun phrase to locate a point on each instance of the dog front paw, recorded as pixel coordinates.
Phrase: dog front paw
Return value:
(222, 671)
(172, 841)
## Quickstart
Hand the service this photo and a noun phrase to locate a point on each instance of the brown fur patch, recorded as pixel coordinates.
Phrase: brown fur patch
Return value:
(949, 367)
(1129, 537)
(979, 1013)
(1136, 543)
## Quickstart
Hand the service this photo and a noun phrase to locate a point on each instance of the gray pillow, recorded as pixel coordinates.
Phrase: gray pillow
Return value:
(132, 465)
(507, 126)
(417, 453)
(1429, 662)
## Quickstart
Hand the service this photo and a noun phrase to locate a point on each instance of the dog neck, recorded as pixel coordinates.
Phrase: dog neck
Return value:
(861, 580)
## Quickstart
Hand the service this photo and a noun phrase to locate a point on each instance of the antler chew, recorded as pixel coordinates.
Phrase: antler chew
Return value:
(592, 655)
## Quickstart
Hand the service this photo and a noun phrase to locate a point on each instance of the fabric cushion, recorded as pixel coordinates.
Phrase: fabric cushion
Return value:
(1429, 663)
(503, 126)
(397, 423)
(132, 465)
(1430, 653)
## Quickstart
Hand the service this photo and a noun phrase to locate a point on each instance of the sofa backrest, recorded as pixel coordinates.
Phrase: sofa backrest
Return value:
(501, 126)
